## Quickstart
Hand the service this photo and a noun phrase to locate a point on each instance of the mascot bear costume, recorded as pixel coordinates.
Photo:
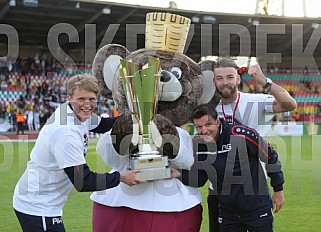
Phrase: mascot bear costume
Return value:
(163, 204)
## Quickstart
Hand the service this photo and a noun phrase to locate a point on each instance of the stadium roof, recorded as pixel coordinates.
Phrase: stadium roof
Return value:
(258, 33)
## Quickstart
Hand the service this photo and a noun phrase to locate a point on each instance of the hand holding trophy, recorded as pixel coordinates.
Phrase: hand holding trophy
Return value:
(141, 90)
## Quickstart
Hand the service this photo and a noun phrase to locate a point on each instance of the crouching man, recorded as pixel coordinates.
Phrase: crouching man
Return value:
(229, 156)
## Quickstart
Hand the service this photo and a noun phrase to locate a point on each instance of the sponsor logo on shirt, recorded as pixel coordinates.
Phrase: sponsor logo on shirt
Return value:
(85, 143)
(227, 147)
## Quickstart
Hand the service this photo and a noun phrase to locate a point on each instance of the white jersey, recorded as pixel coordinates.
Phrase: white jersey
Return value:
(252, 110)
(44, 187)
(168, 195)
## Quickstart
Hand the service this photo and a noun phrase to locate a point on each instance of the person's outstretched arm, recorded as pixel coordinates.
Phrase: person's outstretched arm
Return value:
(283, 100)
(86, 180)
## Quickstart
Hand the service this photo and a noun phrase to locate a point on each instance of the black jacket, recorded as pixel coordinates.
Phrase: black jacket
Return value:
(233, 166)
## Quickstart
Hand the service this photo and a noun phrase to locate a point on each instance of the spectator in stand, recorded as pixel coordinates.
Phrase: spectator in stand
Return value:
(116, 113)
(2, 110)
(4, 86)
(47, 98)
(35, 100)
(38, 92)
(291, 93)
(37, 64)
(319, 108)
(21, 102)
(62, 88)
(2, 77)
(36, 120)
(45, 116)
(316, 88)
(308, 86)
(44, 88)
(13, 120)
(28, 83)
(18, 83)
(114, 110)
(297, 116)
(30, 120)
(53, 95)
(10, 108)
(20, 121)
(43, 64)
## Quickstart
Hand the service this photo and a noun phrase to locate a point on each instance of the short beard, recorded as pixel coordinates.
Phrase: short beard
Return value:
(225, 95)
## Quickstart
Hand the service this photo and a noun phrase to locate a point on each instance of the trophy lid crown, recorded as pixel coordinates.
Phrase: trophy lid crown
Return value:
(166, 32)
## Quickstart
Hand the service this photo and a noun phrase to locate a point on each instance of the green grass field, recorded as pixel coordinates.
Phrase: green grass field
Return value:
(300, 156)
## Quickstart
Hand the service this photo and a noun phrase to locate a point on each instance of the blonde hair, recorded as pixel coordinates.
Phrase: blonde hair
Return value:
(85, 81)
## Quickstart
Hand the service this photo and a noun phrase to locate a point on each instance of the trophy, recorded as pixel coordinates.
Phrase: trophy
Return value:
(141, 91)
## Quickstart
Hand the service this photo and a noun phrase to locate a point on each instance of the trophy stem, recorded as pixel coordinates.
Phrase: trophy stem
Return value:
(145, 146)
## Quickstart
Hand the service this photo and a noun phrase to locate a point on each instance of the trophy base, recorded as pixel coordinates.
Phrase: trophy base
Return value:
(155, 174)
(154, 166)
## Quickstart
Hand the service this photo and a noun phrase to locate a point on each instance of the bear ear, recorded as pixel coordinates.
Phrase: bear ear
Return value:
(207, 68)
(105, 65)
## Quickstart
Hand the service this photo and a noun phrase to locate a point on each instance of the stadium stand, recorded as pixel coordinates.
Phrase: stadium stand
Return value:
(304, 89)
(37, 77)
(23, 88)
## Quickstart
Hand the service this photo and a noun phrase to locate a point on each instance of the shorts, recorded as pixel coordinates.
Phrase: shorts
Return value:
(31, 223)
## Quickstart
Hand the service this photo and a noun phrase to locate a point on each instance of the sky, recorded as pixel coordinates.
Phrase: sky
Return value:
(293, 8)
